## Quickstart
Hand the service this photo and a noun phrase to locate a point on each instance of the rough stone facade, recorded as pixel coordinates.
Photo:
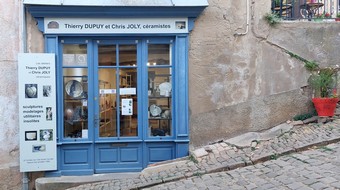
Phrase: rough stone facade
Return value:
(237, 83)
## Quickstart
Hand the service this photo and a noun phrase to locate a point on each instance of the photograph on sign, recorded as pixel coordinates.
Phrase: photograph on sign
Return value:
(30, 135)
(49, 113)
(46, 134)
(31, 90)
(39, 148)
(47, 90)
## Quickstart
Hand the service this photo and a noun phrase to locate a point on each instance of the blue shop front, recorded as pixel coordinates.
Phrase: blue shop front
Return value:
(121, 81)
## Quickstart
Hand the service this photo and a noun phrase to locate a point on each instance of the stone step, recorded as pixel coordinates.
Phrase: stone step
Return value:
(64, 182)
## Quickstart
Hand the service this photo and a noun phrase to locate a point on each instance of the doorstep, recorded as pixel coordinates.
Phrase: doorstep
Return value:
(64, 182)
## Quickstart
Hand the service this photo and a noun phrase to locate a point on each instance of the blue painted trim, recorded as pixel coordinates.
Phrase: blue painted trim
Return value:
(78, 172)
(182, 149)
(118, 141)
(144, 91)
(159, 140)
(119, 170)
(182, 135)
(40, 23)
(181, 85)
(53, 173)
(182, 141)
(191, 23)
(117, 11)
(74, 142)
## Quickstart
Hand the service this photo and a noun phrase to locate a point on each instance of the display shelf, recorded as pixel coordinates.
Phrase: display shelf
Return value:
(157, 97)
(159, 118)
(107, 112)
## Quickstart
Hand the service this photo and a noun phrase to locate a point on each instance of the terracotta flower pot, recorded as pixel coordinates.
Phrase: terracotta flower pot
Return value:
(325, 107)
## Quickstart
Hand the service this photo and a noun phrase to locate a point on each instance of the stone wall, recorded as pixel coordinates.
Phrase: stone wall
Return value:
(242, 83)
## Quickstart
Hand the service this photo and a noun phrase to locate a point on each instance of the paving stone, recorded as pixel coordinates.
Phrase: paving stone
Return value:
(318, 186)
(295, 185)
(311, 169)
(198, 153)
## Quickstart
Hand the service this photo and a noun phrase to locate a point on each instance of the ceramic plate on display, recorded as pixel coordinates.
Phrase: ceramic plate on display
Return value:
(74, 88)
(155, 110)
(165, 88)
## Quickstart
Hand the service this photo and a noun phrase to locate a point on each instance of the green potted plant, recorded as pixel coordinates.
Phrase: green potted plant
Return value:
(337, 17)
(319, 17)
(323, 82)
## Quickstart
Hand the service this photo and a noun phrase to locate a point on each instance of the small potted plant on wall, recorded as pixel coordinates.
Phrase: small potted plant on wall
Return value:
(323, 82)
(337, 17)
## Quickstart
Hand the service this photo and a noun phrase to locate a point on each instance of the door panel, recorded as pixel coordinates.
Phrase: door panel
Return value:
(117, 86)
(112, 157)
(116, 109)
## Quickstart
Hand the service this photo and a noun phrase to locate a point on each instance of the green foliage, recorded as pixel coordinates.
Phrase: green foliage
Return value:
(274, 156)
(304, 116)
(311, 66)
(338, 15)
(198, 174)
(325, 148)
(193, 159)
(272, 19)
(322, 80)
(277, 2)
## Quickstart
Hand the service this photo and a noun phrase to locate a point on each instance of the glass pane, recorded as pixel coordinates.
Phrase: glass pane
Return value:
(128, 102)
(127, 55)
(107, 103)
(107, 55)
(159, 54)
(160, 101)
(74, 55)
(75, 102)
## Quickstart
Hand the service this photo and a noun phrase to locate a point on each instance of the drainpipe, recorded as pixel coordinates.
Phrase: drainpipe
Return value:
(25, 179)
(247, 25)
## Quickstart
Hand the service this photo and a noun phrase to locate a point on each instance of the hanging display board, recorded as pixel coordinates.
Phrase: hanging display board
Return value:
(37, 112)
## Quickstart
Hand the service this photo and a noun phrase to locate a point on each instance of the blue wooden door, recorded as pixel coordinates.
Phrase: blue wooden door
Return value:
(118, 135)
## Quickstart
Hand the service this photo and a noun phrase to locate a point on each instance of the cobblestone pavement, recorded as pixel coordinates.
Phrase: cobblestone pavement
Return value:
(223, 166)
(313, 169)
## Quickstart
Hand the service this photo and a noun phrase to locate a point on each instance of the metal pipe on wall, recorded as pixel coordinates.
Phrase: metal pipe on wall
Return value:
(23, 49)
(247, 24)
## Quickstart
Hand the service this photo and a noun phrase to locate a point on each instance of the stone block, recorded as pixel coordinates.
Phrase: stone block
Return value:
(198, 153)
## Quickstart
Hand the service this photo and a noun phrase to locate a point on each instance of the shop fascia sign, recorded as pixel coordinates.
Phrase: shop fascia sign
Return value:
(118, 25)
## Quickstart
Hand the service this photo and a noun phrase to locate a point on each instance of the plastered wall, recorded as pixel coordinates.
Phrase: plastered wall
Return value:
(241, 83)
(236, 83)
(10, 177)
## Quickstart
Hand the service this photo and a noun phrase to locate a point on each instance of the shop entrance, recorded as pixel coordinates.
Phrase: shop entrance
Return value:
(117, 101)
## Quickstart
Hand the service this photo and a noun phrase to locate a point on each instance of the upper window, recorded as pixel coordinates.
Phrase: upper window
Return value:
(311, 10)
